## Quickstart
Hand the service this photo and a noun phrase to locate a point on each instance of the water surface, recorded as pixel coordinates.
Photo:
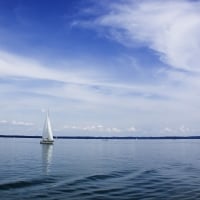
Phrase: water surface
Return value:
(100, 169)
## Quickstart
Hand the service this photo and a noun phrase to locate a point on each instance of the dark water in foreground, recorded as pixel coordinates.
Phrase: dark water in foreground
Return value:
(100, 169)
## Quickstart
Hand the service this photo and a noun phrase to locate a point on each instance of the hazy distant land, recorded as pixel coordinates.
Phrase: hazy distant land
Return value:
(111, 137)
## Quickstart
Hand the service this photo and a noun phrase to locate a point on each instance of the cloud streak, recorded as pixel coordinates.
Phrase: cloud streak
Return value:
(22, 67)
(21, 123)
(100, 128)
(170, 28)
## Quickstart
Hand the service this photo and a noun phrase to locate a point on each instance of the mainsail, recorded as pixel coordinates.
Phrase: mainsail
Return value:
(47, 136)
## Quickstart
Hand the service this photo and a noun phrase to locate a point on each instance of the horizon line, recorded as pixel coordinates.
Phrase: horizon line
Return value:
(105, 137)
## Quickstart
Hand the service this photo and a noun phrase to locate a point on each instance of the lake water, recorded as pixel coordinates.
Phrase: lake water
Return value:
(100, 169)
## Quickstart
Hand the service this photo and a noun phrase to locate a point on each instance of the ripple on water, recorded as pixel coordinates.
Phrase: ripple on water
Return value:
(117, 172)
(146, 184)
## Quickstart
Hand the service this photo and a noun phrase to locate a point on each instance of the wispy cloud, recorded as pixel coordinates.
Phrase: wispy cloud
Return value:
(94, 128)
(75, 85)
(16, 123)
(170, 28)
(21, 123)
(16, 66)
(132, 129)
(101, 128)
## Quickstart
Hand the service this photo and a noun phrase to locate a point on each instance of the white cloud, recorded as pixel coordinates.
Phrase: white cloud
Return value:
(169, 130)
(77, 86)
(113, 129)
(16, 123)
(21, 123)
(132, 129)
(171, 28)
(94, 128)
(21, 67)
(183, 129)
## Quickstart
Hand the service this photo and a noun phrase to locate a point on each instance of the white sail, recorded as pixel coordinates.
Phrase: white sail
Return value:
(47, 130)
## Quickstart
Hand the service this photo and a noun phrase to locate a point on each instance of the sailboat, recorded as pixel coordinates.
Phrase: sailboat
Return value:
(47, 136)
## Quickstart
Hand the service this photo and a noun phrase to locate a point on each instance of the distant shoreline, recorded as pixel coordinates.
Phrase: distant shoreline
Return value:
(107, 138)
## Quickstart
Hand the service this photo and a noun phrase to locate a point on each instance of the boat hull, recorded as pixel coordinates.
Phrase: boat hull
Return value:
(46, 142)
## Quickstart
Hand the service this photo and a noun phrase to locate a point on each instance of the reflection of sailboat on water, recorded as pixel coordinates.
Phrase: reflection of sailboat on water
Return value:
(47, 136)
(47, 151)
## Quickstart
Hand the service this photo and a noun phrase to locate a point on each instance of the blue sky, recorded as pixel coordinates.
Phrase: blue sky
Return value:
(107, 67)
